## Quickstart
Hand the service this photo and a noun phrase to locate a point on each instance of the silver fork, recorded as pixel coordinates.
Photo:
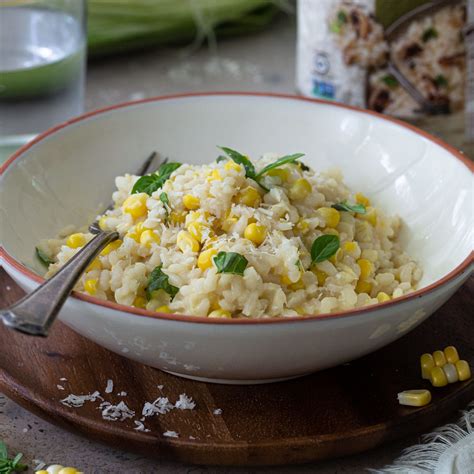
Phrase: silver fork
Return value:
(35, 313)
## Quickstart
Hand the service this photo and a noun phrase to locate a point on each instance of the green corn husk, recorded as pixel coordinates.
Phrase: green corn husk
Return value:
(116, 26)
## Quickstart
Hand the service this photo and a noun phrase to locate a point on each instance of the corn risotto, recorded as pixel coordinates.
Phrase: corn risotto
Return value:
(239, 238)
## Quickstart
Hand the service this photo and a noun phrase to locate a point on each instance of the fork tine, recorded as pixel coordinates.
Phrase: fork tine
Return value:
(146, 165)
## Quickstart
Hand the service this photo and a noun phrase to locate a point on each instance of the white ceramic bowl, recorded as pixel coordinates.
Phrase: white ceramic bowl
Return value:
(65, 175)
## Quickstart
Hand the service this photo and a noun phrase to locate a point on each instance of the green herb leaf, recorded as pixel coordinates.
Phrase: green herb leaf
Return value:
(151, 182)
(241, 160)
(230, 262)
(8, 466)
(340, 20)
(164, 199)
(160, 281)
(345, 206)
(45, 260)
(390, 80)
(429, 33)
(341, 16)
(3, 451)
(441, 81)
(221, 158)
(324, 247)
(303, 166)
(280, 162)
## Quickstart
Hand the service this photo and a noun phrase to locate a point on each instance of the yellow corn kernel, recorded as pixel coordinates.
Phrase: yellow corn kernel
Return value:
(255, 233)
(41, 472)
(91, 286)
(299, 285)
(349, 246)
(363, 287)
(414, 398)
(370, 216)
(439, 358)
(102, 221)
(427, 364)
(330, 215)
(220, 313)
(139, 302)
(300, 310)
(383, 297)
(163, 309)
(205, 259)
(302, 226)
(76, 240)
(135, 205)
(228, 223)
(232, 165)
(94, 265)
(463, 369)
(451, 354)
(321, 276)
(336, 257)
(361, 199)
(438, 377)
(282, 173)
(131, 234)
(214, 176)
(112, 246)
(450, 372)
(249, 196)
(177, 218)
(149, 237)
(196, 230)
(191, 202)
(54, 469)
(300, 189)
(331, 231)
(285, 280)
(186, 242)
(68, 470)
(366, 268)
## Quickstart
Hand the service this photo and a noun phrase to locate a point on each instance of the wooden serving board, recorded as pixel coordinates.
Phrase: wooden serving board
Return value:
(332, 413)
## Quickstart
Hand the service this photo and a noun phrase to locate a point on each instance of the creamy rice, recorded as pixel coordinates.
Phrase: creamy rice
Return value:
(280, 278)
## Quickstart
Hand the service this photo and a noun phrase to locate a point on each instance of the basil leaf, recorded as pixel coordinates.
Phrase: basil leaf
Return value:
(345, 206)
(441, 81)
(429, 33)
(160, 281)
(230, 262)
(340, 20)
(167, 169)
(241, 160)
(151, 182)
(164, 199)
(324, 247)
(221, 158)
(45, 260)
(303, 166)
(390, 81)
(281, 161)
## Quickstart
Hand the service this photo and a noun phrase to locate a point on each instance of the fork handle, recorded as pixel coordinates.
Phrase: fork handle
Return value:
(35, 312)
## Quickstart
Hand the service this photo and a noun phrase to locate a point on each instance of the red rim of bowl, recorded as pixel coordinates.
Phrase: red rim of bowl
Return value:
(461, 268)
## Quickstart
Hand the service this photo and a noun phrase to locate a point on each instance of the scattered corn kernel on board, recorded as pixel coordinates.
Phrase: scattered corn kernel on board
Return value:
(345, 410)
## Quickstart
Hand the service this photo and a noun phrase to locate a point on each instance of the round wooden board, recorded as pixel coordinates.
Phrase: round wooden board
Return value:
(332, 413)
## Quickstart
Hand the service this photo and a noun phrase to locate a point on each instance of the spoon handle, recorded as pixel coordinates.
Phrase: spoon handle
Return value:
(35, 312)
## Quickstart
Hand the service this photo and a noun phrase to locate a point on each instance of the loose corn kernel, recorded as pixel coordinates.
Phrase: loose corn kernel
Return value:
(463, 369)
(102, 221)
(414, 398)
(177, 218)
(382, 297)
(76, 240)
(366, 268)
(330, 215)
(185, 242)
(228, 223)
(370, 216)
(451, 354)
(450, 372)
(331, 231)
(191, 202)
(232, 165)
(149, 237)
(321, 276)
(94, 265)
(249, 196)
(214, 176)
(135, 205)
(427, 364)
(110, 247)
(282, 173)
(363, 287)
(220, 313)
(163, 309)
(300, 189)
(302, 226)
(361, 199)
(91, 286)
(139, 302)
(438, 377)
(350, 246)
(68, 470)
(205, 259)
(255, 233)
(439, 358)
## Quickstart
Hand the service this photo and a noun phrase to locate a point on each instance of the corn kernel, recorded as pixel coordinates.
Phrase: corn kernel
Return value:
(220, 313)
(285, 280)
(331, 231)
(135, 205)
(366, 268)
(68, 470)
(186, 242)
(102, 222)
(191, 202)
(414, 398)
(336, 257)
(463, 369)
(439, 358)
(255, 233)
(149, 237)
(300, 189)
(110, 247)
(321, 276)
(363, 287)
(139, 302)
(299, 285)
(370, 216)
(350, 246)
(427, 364)
(214, 176)
(94, 265)
(163, 309)
(232, 165)
(438, 377)
(196, 230)
(76, 240)
(300, 310)
(302, 226)
(450, 372)
(249, 196)
(177, 218)
(330, 215)
(361, 199)
(228, 223)
(54, 469)
(41, 472)
(451, 354)
(205, 259)
(383, 297)
(282, 173)
(131, 234)
(91, 286)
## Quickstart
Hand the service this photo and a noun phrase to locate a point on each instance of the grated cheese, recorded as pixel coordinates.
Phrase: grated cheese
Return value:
(185, 403)
(171, 434)
(139, 426)
(217, 411)
(110, 386)
(161, 406)
(122, 394)
(59, 387)
(77, 401)
(117, 412)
